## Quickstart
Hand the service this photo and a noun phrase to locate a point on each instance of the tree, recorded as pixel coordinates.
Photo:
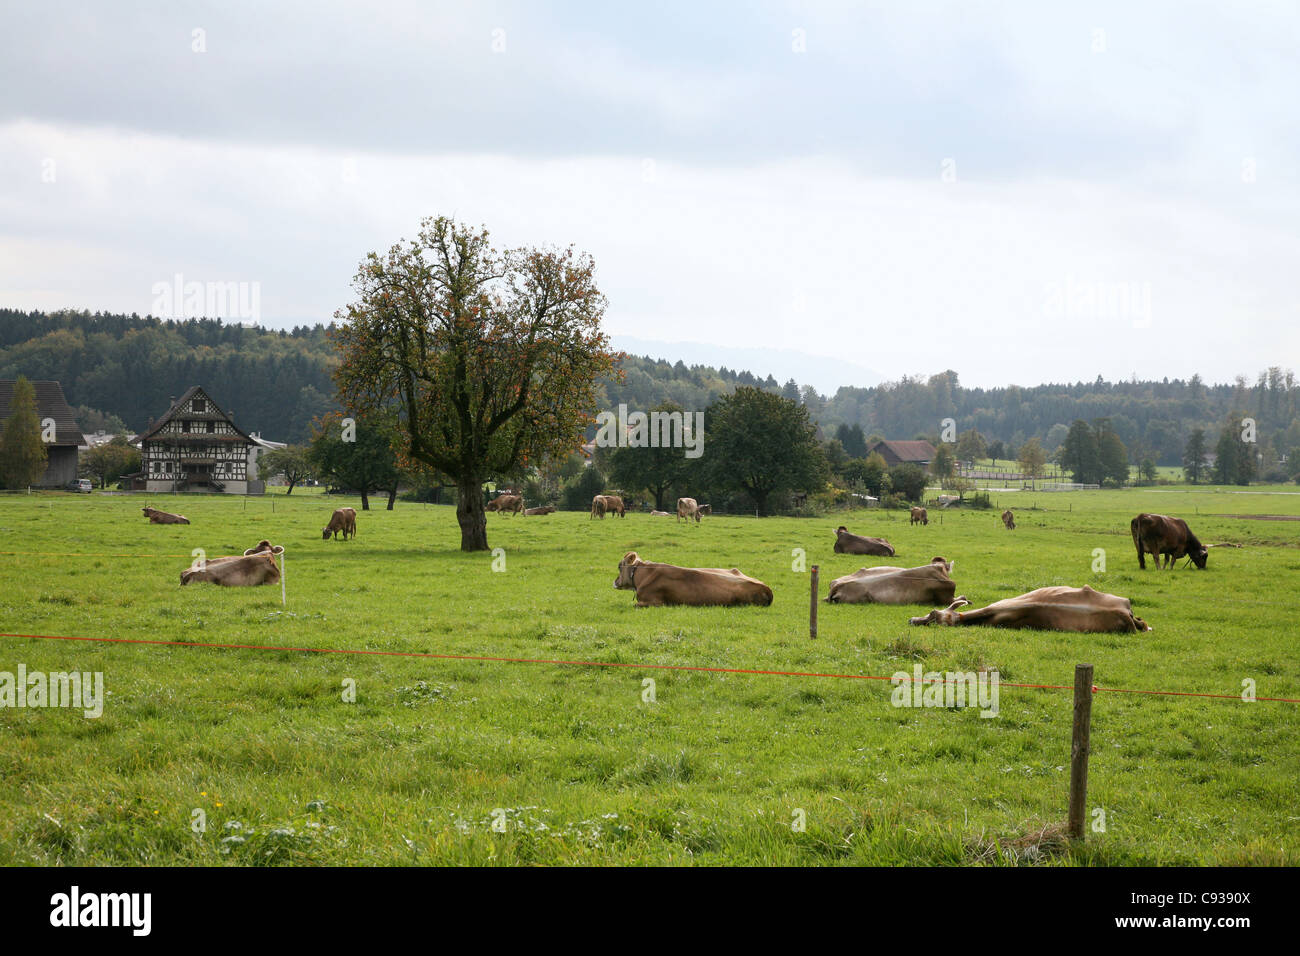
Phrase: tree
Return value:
(292, 461)
(970, 446)
(1147, 470)
(578, 493)
(997, 450)
(1112, 456)
(110, 461)
(655, 470)
(362, 460)
(944, 462)
(761, 444)
(22, 453)
(854, 442)
(1194, 456)
(489, 359)
(1235, 459)
(1032, 458)
(909, 480)
(1080, 455)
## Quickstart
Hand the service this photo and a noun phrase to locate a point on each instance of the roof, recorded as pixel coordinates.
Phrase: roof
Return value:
(180, 403)
(907, 450)
(50, 403)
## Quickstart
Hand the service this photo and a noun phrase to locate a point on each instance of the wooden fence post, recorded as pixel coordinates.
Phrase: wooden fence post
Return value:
(1080, 747)
(812, 605)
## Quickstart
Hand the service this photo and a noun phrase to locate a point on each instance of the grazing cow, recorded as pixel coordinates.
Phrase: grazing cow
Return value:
(162, 517)
(254, 567)
(919, 516)
(706, 510)
(688, 508)
(542, 510)
(657, 585)
(928, 584)
(1159, 535)
(513, 504)
(607, 504)
(1009, 520)
(343, 519)
(598, 507)
(1049, 609)
(846, 543)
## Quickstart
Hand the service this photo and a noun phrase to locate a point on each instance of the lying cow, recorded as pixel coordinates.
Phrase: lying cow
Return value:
(657, 585)
(846, 543)
(1009, 520)
(1048, 609)
(688, 508)
(162, 517)
(919, 516)
(928, 584)
(542, 510)
(660, 514)
(1159, 535)
(254, 567)
(343, 519)
(514, 504)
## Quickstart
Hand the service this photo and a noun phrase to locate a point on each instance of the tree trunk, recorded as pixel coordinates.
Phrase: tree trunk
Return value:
(365, 501)
(392, 495)
(290, 491)
(470, 514)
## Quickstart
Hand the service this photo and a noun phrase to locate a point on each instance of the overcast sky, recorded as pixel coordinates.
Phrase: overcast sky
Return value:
(1020, 192)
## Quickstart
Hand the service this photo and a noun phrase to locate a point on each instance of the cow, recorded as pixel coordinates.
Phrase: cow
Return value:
(706, 510)
(514, 504)
(660, 514)
(928, 584)
(162, 517)
(607, 504)
(688, 508)
(919, 516)
(1009, 520)
(1162, 535)
(1048, 609)
(847, 543)
(658, 585)
(542, 510)
(343, 519)
(947, 501)
(254, 567)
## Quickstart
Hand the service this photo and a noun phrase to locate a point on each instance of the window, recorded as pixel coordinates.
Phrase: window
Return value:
(199, 405)
(212, 428)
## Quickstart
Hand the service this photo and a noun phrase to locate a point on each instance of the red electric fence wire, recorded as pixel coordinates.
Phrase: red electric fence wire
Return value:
(669, 667)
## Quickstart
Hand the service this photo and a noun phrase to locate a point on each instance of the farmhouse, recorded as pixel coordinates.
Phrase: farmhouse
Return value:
(904, 452)
(61, 465)
(196, 446)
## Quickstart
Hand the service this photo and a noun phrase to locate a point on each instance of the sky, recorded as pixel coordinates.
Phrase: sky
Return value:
(1018, 191)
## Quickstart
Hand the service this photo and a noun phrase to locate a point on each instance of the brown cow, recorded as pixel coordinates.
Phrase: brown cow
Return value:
(928, 584)
(1049, 609)
(162, 517)
(657, 585)
(542, 510)
(1009, 520)
(1162, 535)
(603, 504)
(343, 519)
(514, 504)
(254, 567)
(847, 543)
(660, 514)
(688, 508)
(919, 516)
(598, 507)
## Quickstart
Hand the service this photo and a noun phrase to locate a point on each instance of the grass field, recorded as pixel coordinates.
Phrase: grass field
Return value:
(577, 764)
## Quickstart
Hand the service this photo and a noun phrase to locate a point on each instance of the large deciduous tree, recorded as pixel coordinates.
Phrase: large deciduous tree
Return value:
(488, 359)
(762, 444)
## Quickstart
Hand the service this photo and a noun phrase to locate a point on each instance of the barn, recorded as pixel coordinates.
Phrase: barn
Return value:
(61, 466)
(919, 453)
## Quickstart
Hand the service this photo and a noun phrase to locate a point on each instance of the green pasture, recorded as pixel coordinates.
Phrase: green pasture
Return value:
(572, 761)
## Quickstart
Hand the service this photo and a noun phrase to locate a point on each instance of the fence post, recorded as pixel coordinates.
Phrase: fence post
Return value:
(812, 605)
(1080, 747)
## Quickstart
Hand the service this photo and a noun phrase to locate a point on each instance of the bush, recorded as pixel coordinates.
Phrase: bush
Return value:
(909, 480)
(577, 494)
(978, 500)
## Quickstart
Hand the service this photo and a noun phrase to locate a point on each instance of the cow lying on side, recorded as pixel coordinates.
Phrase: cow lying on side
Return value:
(514, 504)
(542, 510)
(1162, 535)
(162, 517)
(1009, 520)
(1048, 609)
(254, 567)
(928, 584)
(660, 514)
(847, 543)
(657, 585)
(343, 519)
(919, 516)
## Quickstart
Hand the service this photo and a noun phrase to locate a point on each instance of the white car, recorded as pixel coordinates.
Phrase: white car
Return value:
(81, 484)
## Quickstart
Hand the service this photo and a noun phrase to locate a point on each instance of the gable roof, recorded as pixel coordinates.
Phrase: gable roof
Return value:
(907, 450)
(50, 403)
(214, 413)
